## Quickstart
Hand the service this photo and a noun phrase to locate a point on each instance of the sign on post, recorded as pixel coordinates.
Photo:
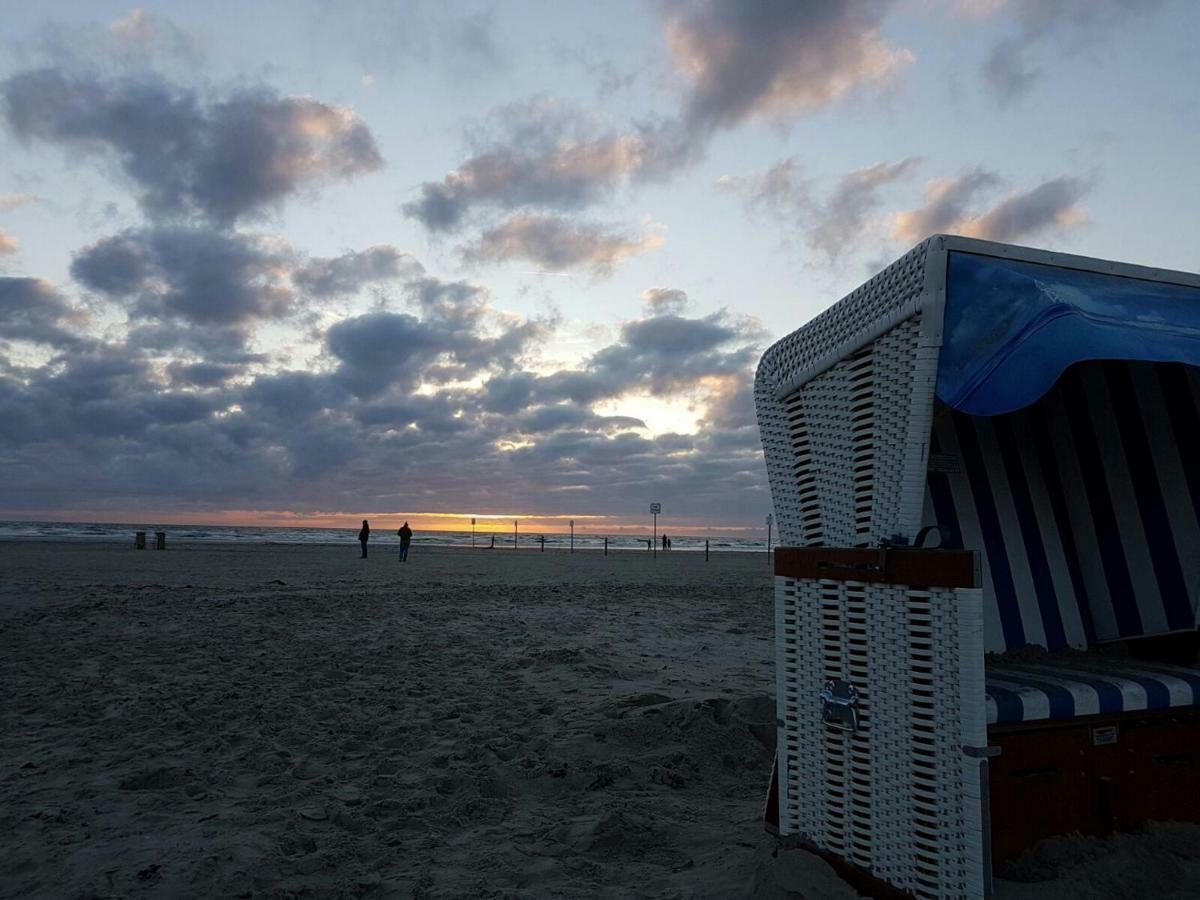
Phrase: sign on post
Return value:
(655, 509)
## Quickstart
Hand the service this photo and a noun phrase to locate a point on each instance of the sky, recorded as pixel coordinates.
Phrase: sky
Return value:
(301, 262)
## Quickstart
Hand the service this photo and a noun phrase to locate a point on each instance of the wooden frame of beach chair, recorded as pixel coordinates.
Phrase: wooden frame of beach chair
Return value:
(890, 728)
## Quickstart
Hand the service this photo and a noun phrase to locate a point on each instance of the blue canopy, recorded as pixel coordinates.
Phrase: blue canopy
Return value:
(1012, 328)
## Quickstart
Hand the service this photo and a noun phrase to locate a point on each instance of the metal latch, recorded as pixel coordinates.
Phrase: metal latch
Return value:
(839, 705)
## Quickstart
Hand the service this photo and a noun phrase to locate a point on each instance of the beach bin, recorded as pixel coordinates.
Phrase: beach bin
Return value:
(139, 540)
(160, 540)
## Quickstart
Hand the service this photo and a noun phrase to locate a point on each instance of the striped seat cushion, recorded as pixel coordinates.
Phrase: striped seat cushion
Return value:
(1029, 692)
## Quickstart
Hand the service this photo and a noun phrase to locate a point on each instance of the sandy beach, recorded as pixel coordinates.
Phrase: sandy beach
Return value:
(274, 721)
(270, 721)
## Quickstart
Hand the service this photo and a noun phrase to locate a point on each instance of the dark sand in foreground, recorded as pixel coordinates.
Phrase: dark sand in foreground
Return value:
(265, 721)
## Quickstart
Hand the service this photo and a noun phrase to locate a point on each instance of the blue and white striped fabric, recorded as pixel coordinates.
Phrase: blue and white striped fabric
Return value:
(1085, 506)
(1031, 692)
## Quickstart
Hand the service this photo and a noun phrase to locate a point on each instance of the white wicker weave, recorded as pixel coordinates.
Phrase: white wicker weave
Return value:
(845, 409)
(899, 796)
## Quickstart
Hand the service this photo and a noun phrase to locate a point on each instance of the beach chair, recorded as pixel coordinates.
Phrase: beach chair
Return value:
(984, 470)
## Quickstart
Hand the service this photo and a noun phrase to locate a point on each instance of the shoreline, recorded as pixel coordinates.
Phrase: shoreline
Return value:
(105, 542)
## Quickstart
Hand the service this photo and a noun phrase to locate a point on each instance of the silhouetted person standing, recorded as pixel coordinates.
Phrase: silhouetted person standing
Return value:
(364, 535)
(405, 539)
(665, 542)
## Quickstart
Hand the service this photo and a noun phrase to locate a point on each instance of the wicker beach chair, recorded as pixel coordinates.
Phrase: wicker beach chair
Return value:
(1036, 416)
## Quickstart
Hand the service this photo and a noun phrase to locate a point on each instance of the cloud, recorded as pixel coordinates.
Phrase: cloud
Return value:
(780, 190)
(9, 202)
(542, 154)
(776, 59)
(458, 336)
(386, 37)
(144, 33)
(137, 41)
(1052, 204)
(845, 214)
(951, 206)
(558, 245)
(833, 224)
(32, 310)
(664, 301)
(1008, 72)
(8, 243)
(197, 275)
(223, 158)
(660, 354)
(203, 374)
(946, 203)
(348, 273)
(377, 424)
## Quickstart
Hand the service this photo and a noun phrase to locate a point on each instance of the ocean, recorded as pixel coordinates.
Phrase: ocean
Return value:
(247, 534)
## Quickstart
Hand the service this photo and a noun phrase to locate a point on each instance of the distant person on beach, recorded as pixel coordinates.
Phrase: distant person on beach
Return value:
(666, 543)
(405, 539)
(492, 546)
(364, 535)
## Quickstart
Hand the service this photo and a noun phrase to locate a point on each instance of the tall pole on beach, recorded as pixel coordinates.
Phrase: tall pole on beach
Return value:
(655, 509)
(514, 534)
(572, 535)
(472, 532)
(770, 520)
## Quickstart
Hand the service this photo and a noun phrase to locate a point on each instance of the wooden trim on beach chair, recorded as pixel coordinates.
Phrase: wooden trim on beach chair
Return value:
(1093, 774)
(884, 565)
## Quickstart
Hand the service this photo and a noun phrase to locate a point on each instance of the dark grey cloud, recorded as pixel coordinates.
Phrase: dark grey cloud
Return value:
(1011, 70)
(206, 277)
(457, 337)
(661, 354)
(387, 417)
(32, 310)
(378, 350)
(777, 58)
(202, 374)
(292, 395)
(224, 158)
(952, 205)
(558, 245)
(348, 273)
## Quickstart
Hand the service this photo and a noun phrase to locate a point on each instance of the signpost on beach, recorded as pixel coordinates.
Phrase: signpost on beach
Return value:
(572, 535)
(770, 520)
(472, 532)
(655, 509)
